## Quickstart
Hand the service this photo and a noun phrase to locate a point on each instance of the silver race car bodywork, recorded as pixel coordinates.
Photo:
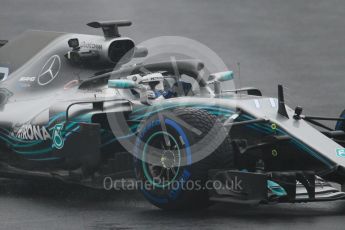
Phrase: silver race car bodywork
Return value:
(60, 95)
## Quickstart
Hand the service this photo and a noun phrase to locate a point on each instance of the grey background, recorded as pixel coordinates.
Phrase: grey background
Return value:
(297, 43)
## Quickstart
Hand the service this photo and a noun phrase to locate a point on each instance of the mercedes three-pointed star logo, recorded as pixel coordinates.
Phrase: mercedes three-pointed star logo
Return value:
(50, 70)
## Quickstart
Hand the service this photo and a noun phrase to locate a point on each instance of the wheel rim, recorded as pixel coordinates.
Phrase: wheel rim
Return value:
(165, 172)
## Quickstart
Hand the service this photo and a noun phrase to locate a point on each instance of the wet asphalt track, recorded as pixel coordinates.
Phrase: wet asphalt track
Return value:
(298, 43)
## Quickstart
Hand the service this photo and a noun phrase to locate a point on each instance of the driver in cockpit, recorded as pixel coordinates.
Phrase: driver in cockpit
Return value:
(156, 89)
(159, 91)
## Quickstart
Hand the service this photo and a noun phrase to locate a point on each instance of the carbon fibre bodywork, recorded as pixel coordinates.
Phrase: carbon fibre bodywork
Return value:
(57, 118)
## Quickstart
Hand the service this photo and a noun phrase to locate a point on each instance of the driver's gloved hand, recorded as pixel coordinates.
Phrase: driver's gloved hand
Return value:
(169, 94)
(151, 94)
(160, 93)
(155, 94)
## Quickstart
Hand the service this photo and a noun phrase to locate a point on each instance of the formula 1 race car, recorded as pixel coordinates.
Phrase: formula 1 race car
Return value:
(73, 107)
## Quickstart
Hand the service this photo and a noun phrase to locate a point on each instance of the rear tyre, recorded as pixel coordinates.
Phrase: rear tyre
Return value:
(169, 177)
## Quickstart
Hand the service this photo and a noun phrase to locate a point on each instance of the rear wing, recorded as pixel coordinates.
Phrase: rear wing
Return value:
(3, 42)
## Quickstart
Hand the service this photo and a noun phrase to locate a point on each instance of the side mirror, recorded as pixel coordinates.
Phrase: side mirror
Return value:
(222, 76)
(122, 84)
(217, 78)
(129, 84)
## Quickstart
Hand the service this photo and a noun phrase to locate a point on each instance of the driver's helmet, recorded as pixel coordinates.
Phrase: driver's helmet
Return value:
(154, 82)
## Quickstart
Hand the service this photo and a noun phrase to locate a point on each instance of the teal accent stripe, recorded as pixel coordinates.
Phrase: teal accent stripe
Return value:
(34, 152)
(45, 159)
(265, 128)
(55, 117)
(42, 151)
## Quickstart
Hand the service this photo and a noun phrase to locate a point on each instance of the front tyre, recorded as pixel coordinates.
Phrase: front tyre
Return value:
(164, 158)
